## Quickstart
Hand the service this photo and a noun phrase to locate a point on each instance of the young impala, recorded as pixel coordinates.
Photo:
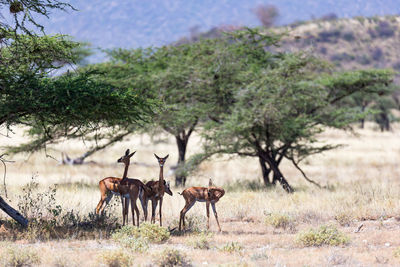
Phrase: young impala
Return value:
(158, 188)
(210, 195)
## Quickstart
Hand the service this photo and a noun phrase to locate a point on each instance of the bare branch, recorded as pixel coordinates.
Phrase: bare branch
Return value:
(304, 175)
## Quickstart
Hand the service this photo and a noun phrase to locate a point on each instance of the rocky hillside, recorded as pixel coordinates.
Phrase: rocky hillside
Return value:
(350, 43)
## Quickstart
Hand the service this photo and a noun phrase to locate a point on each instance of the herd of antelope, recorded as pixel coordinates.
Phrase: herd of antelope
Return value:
(132, 189)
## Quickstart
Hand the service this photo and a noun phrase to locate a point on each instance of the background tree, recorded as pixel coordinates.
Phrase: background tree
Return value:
(279, 114)
(266, 14)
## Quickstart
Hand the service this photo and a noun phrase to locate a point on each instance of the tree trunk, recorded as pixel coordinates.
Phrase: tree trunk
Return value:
(180, 179)
(13, 213)
(265, 171)
(362, 121)
(384, 122)
(277, 173)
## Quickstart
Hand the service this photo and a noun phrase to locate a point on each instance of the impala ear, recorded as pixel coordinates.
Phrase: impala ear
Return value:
(210, 182)
(166, 156)
(157, 157)
(127, 152)
(133, 153)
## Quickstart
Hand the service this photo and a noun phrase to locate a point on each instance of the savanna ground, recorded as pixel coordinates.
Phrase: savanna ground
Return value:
(260, 226)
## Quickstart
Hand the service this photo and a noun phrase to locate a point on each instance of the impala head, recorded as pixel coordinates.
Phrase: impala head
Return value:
(161, 161)
(215, 193)
(126, 158)
(167, 188)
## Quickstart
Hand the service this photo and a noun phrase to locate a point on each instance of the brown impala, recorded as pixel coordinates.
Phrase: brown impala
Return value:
(210, 195)
(125, 187)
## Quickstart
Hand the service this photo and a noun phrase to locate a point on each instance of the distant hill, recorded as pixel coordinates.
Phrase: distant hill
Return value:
(350, 43)
(139, 23)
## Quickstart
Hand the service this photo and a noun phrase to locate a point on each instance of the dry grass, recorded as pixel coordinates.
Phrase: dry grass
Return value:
(361, 182)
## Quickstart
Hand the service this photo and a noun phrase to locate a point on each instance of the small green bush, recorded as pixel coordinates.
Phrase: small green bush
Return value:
(325, 235)
(344, 219)
(279, 221)
(194, 224)
(154, 233)
(117, 258)
(17, 256)
(138, 239)
(172, 257)
(231, 247)
(202, 241)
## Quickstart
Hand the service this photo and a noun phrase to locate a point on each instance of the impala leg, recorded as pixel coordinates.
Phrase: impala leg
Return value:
(161, 200)
(208, 214)
(183, 213)
(216, 215)
(123, 204)
(153, 210)
(106, 200)
(101, 202)
(145, 210)
(137, 211)
(133, 210)
(126, 200)
(143, 201)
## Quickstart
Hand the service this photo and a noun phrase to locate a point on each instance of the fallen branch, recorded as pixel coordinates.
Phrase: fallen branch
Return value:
(13, 213)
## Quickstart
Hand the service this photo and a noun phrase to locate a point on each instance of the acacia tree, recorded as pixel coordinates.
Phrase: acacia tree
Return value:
(279, 114)
(54, 107)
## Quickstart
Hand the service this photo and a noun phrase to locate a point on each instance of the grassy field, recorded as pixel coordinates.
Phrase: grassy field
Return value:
(260, 227)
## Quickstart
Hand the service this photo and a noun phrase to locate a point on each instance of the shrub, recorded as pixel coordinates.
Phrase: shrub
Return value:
(325, 235)
(194, 224)
(129, 237)
(384, 29)
(364, 59)
(279, 221)
(16, 256)
(172, 257)
(342, 57)
(117, 258)
(377, 53)
(202, 241)
(396, 65)
(38, 205)
(348, 36)
(329, 36)
(153, 233)
(138, 238)
(396, 252)
(231, 247)
(344, 218)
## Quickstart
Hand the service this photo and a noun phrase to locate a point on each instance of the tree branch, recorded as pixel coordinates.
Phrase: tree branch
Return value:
(304, 175)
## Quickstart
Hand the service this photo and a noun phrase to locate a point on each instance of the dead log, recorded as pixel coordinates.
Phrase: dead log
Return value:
(13, 213)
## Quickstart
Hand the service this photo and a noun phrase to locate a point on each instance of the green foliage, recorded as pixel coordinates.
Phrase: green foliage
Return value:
(26, 13)
(201, 241)
(278, 220)
(172, 257)
(48, 220)
(344, 218)
(139, 238)
(16, 256)
(117, 258)
(291, 99)
(193, 223)
(326, 235)
(231, 247)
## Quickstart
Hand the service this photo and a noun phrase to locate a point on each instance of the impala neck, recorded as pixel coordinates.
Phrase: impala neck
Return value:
(125, 172)
(161, 177)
